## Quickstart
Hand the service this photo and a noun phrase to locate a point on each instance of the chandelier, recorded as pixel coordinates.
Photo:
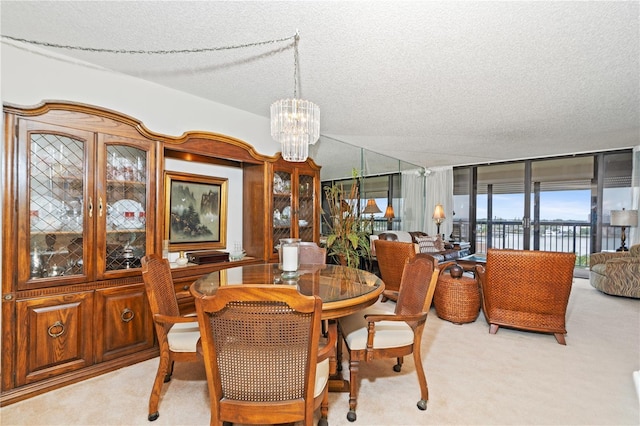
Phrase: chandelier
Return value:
(295, 123)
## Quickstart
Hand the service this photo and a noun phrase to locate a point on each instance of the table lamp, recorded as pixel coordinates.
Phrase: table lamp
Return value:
(438, 216)
(371, 208)
(389, 215)
(624, 218)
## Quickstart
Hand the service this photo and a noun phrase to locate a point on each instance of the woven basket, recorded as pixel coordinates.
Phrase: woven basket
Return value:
(457, 299)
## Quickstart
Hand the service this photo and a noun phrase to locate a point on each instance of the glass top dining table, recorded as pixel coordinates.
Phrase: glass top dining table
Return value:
(343, 290)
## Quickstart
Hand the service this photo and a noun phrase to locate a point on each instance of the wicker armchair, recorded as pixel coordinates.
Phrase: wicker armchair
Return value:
(527, 290)
(392, 256)
(616, 273)
(177, 335)
(260, 345)
(378, 334)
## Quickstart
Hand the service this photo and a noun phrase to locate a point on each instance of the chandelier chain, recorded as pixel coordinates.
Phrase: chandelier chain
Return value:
(157, 52)
(295, 65)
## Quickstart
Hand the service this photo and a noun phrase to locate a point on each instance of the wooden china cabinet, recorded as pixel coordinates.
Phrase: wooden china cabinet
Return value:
(292, 207)
(81, 200)
(77, 219)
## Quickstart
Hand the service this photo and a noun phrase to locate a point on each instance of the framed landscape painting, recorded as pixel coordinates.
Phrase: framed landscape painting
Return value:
(195, 211)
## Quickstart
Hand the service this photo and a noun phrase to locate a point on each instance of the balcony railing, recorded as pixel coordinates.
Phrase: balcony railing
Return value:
(571, 237)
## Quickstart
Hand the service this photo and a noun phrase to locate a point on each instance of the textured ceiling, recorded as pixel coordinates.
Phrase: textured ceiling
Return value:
(431, 83)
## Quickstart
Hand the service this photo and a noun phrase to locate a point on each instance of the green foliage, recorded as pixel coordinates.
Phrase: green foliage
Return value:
(347, 239)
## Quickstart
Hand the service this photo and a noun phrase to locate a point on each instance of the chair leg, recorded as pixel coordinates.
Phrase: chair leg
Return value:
(324, 409)
(161, 375)
(560, 338)
(339, 350)
(422, 378)
(353, 389)
(398, 365)
(167, 377)
(494, 328)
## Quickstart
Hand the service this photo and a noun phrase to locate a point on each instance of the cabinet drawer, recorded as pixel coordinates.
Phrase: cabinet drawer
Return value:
(53, 335)
(123, 322)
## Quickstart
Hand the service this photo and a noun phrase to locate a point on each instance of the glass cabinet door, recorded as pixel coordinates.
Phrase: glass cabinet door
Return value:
(305, 207)
(123, 204)
(282, 209)
(57, 203)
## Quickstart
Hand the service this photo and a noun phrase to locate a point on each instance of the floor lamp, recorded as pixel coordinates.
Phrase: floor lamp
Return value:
(438, 216)
(624, 218)
(371, 208)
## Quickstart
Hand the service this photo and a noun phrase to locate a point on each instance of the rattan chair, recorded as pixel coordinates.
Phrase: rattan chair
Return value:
(312, 254)
(376, 333)
(392, 256)
(177, 335)
(260, 345)
(527, 290)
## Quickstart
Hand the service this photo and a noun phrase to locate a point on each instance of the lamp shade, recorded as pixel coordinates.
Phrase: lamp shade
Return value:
(624, 217)
(371, 207)
(389, 212)
(438, 213)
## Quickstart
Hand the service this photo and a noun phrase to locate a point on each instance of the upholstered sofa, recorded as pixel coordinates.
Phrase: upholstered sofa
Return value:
(616, 273)
(445, 252)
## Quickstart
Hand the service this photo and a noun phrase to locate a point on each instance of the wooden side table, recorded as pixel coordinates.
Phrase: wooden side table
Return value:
(457, 299)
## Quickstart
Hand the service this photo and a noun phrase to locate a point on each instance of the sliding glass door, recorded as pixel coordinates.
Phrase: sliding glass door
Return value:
(535, 204)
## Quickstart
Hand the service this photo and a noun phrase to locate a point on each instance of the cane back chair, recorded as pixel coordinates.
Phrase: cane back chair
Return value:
(376, 333)
(177, 335)
(392, 256)
(260, 345)
(312, 254)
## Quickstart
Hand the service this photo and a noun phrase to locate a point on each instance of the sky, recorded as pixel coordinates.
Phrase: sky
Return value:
(555, 205)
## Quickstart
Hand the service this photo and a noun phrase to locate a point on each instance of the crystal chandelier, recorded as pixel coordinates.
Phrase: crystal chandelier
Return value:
(295, 123)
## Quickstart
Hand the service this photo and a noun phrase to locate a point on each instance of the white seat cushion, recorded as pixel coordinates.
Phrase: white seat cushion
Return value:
(322, 376)
(183, 337)
(389, 334)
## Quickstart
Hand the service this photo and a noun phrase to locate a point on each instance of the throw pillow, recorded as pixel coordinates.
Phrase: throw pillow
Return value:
(428, 244)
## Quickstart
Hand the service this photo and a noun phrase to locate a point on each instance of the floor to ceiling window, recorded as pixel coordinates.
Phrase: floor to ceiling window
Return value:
(558, 204)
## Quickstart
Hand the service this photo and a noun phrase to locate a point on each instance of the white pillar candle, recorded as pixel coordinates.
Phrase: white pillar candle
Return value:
(289, 258)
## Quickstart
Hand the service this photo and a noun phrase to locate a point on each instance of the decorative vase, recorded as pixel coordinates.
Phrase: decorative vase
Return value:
(456, 271)
(182, 259)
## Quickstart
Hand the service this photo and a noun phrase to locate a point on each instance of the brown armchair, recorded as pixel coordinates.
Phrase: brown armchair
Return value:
(377, 333)
(392, 256)
(177, 335)
(527, 290)
(616, 273)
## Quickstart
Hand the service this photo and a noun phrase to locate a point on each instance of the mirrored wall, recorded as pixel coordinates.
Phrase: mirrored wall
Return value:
(381, 178)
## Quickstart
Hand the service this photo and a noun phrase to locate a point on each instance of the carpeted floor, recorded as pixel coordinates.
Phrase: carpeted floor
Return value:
(511, 378)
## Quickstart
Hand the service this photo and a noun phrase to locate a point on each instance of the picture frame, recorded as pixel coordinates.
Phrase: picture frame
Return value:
(195, 211)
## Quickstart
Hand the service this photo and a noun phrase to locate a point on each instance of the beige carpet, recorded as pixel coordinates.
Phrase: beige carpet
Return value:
(511, 378)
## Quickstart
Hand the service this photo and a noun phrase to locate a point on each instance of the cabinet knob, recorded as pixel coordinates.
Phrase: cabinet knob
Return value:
(56, 330)
(127, 315)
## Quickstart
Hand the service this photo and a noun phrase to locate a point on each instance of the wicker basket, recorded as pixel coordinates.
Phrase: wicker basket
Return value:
(457, 299)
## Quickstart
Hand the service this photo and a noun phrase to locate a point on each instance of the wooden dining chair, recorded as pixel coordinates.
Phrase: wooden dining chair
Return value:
(312, 254)
(392, 256)
(260, 345)
(375, 333)
(177, 335)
